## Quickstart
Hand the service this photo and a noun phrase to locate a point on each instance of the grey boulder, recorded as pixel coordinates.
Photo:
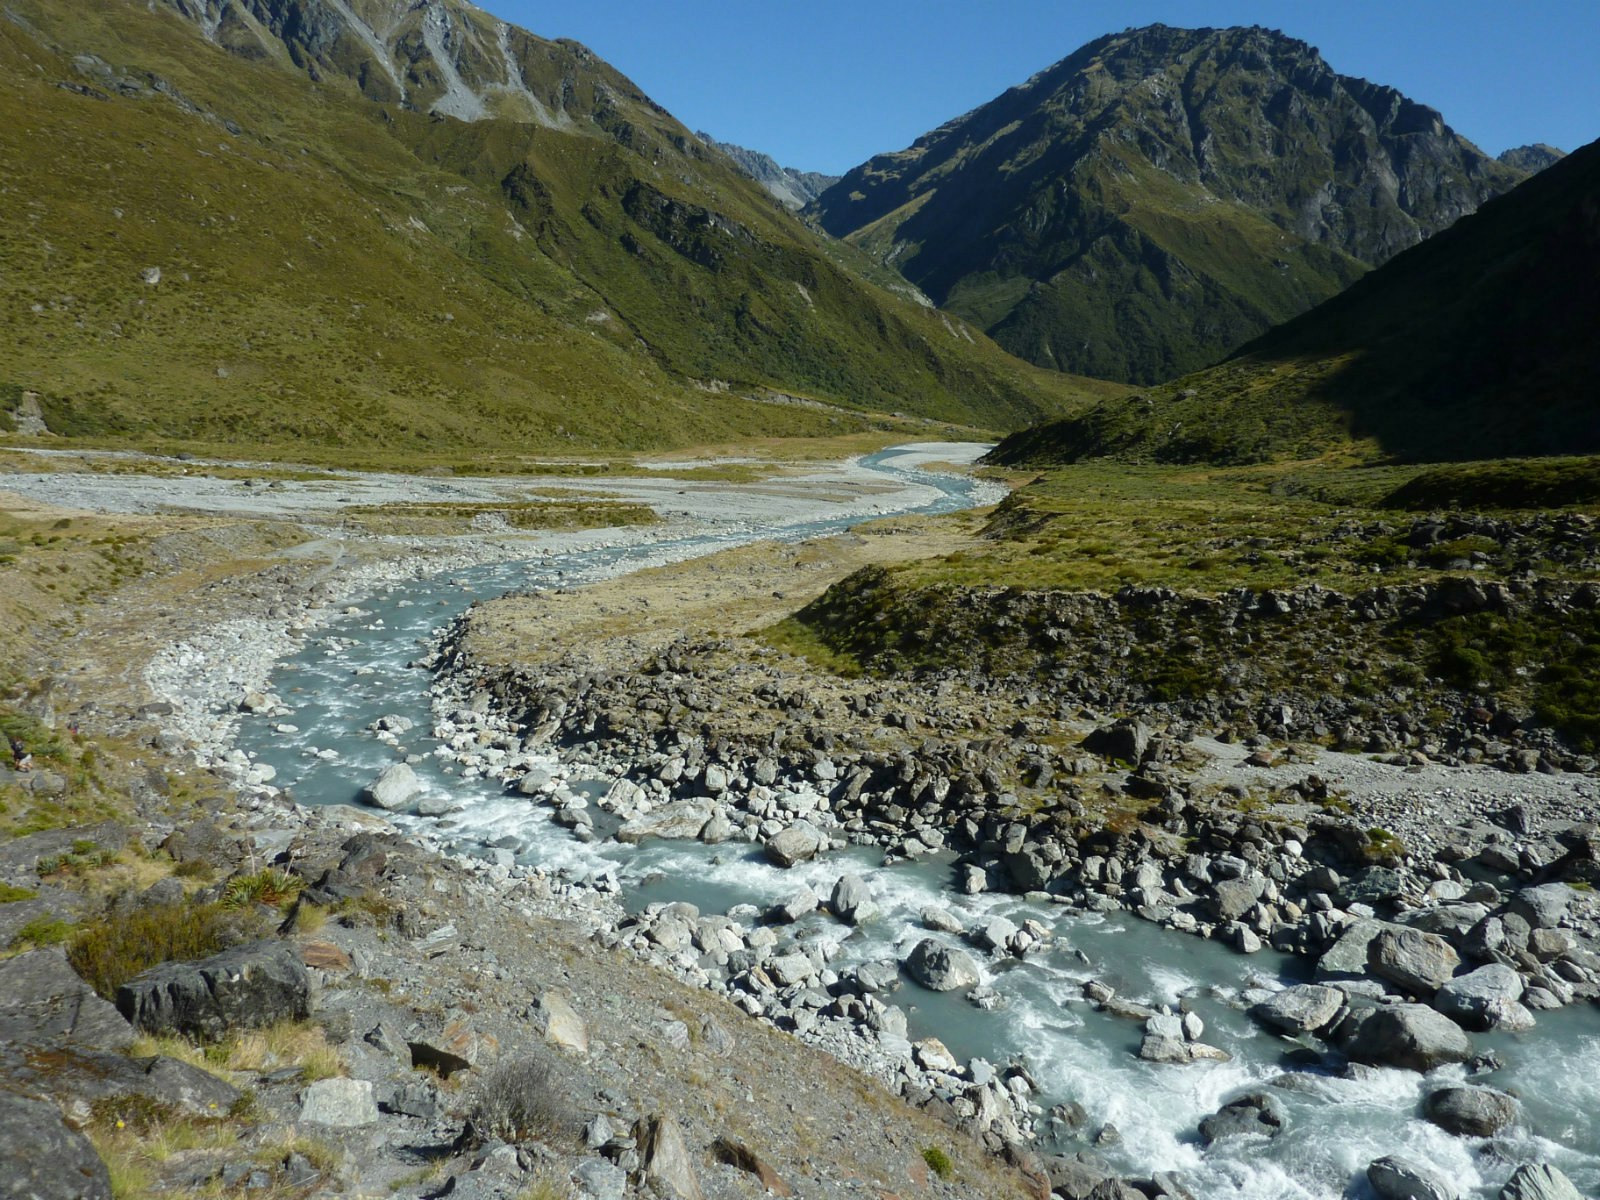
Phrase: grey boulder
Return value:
(680, 819)
(41, 1158)
(44, 1003)
(1305, 1008)
(345, 1103)
(395, 787)
(1419, 962)
(851, 901)
(1412, 1036)
(1488, 998)
(1258, 1113)
(1543, 906)
(941, 968)
(1471, 1111)
(667, 1165)
(1538, 1181)
(796, 844)
(249, 986)
(1397, 1178)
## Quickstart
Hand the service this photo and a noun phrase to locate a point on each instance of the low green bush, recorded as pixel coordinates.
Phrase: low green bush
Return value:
(109, 951)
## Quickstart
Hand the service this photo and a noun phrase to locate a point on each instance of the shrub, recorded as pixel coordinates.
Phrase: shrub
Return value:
(938, 1162)
(270, 886)
(43, 930)
(518, 1101)
(113, 949)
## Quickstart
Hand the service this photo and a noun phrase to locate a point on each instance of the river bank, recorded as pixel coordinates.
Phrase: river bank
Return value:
(646, 720)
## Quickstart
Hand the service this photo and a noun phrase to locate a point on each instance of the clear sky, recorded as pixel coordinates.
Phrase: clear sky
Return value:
(824, 85)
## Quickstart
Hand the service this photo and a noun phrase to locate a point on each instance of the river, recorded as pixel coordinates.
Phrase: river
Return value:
(356, 671)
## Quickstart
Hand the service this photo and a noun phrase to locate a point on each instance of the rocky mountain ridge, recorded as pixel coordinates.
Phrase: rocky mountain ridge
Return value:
(1531, 158)
(1473, 345)
(789, 187)
(1160, 196)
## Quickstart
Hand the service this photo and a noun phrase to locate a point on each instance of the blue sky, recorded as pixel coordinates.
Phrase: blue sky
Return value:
(826, 84)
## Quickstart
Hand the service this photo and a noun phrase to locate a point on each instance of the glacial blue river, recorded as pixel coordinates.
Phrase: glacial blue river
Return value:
(355, 670)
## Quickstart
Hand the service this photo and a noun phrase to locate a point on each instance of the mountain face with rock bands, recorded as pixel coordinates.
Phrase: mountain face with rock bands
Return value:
(1160, 197)
(789, 187)
(1478, 343)
(404, 223)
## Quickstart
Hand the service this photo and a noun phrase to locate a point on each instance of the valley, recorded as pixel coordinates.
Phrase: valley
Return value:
(548, 656)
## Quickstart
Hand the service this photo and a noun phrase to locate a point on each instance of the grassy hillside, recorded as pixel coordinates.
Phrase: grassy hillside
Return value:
(1479, 343)
(340, 268)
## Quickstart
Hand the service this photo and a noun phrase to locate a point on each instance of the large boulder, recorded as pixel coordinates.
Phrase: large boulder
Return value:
(1471, 1111)
(1305, 1008)
(395, 787)
(1397, 1178)
(1419, 962)
(1488, 998)
(44, 1003)
(1348, 957)
(941, 968)
(794, 906)
(852, 901)
(1258, 1113)
(248, 986)
(1412, 1036)
(1125, 741)
(41, 1158)
(1233, 898)
(1543, 906)
(1538, 1181)
(796, 844)
(681, 819)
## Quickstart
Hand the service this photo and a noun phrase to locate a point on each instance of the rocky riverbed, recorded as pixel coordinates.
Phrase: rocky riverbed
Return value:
(1434, 907)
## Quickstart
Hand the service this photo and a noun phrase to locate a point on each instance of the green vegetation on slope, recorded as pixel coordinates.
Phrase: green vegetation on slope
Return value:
(1479, 343)
(1139, 574)
(1159, 197)
(340, 272)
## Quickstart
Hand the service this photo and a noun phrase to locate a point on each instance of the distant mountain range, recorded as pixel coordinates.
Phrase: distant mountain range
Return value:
(404, 224)
(1478, 343)
(1161, 196)
(791, 188)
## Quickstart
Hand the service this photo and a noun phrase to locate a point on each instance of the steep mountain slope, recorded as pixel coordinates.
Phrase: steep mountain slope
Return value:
(1479, 343)
(789, 187)
(1153, 201)
(384, 223)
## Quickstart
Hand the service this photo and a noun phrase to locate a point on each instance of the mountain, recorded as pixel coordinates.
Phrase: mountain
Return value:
(789, 187)
(407, 225)
(1478, 343)
(1160, 197)
(1532, 158)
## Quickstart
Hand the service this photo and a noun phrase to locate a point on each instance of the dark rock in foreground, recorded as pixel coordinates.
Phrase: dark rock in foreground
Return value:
(245, 987)
(42, 1159)
(43, 1002)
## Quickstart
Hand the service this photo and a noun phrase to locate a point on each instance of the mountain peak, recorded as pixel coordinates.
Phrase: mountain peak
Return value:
(1161, 195)
(1531, 158)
